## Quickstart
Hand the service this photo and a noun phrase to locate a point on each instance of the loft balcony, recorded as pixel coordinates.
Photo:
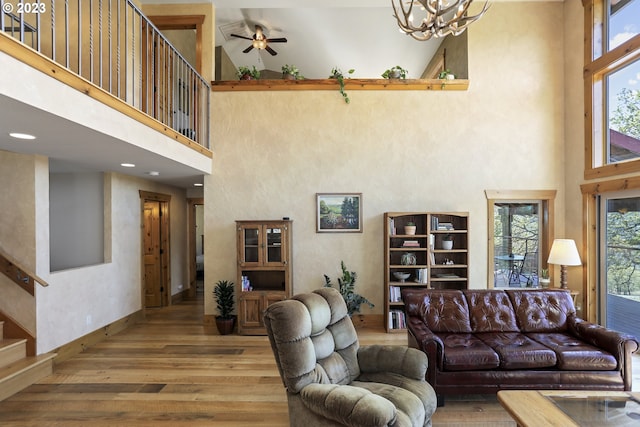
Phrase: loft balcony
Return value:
(102, 82)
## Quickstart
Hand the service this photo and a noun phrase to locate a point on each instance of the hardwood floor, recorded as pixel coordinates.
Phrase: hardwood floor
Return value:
(172, 371)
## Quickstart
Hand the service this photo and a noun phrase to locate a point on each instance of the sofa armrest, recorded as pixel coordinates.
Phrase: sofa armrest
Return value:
(405, 361)
(620, 345)
(348, 405)
(614, 342)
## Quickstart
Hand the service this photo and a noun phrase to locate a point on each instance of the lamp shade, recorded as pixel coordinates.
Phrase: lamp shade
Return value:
(564, 252)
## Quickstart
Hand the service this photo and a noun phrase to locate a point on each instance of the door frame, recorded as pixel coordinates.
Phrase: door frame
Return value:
(191, 237)
(165, 244)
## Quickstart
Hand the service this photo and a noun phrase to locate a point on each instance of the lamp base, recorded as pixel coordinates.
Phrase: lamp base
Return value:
(563, 277)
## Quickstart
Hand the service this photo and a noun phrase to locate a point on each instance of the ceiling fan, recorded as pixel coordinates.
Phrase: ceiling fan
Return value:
(260, 41)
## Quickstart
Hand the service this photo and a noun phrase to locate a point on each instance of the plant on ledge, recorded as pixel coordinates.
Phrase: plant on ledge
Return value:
(336, 73)
(347, 284)
(396, 72)
(246, 73)
(291, 72)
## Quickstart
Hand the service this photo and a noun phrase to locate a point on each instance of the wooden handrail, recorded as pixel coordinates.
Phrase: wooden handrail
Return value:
(21, 276)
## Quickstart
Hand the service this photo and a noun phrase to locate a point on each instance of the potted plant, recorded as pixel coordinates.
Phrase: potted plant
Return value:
(447, 242)
(347, 284)
(410, 228)
(544, 279)
(223, 292)
(246, 73)
(446, 75)
(336, 73)
(396, 72)
(291, 72)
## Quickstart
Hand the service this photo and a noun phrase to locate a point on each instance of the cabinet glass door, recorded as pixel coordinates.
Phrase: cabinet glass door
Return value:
(251, 245)
(274, 245)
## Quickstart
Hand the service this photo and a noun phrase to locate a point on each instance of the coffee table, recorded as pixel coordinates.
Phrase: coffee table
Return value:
(569, 408)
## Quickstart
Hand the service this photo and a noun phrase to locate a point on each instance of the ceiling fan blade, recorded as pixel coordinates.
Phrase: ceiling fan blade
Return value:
(240, 37)
(277, 40)
(271, 51)
(247, 49)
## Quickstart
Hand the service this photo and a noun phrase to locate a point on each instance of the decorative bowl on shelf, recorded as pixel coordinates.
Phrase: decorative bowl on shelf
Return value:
(401, 275)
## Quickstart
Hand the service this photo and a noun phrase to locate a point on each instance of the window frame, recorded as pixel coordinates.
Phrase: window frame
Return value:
(598, 64)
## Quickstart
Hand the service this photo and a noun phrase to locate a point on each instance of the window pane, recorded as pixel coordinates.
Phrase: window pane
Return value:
(516, 240)
(624, 21)
(623, 96)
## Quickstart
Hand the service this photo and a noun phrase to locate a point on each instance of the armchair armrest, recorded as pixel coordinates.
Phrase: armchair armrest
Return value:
(405, 361)
(348, 405)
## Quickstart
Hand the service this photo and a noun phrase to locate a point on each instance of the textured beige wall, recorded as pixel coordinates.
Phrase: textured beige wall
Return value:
(81, 300)
(18, 232)
(403, 150)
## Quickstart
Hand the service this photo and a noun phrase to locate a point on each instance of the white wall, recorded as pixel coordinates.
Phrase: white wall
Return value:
(403, 150)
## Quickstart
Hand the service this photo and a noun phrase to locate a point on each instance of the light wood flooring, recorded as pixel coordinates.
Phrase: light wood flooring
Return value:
(172, 371)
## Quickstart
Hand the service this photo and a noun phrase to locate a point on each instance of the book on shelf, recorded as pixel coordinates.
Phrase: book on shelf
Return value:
(445, 226)
(392, 227)
(434, 222)
(447, 276)
(394, 294)
(423, 275)
(410, 244)
(397, 320)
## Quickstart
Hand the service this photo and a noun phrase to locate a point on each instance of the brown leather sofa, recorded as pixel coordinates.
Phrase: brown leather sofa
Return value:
(482, 341)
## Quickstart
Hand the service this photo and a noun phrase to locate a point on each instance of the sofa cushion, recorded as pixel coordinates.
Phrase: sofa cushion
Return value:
(542, 310)
(491, 311)
(576, 355)
(517, 351)
(465, 351)
(440, 310)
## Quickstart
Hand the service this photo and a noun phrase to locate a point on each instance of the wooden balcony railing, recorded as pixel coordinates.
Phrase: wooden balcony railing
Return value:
(114, 46)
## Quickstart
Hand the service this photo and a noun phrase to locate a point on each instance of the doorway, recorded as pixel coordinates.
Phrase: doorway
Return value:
(156, 284)
(619, 261)
(196, 245)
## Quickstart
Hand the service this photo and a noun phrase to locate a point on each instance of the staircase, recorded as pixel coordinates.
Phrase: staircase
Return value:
(17, 370)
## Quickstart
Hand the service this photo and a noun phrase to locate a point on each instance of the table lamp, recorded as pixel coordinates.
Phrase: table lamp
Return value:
(564, 252)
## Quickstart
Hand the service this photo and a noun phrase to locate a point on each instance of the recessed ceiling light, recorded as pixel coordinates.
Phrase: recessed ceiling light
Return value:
(197, 184)
(153, 173)
(19, 135)
(128, 165)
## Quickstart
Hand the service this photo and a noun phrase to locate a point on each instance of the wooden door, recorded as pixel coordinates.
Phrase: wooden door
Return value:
(152, 260)
(250, 307)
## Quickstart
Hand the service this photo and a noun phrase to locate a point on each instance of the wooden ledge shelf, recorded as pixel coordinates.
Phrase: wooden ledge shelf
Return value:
(332, 84)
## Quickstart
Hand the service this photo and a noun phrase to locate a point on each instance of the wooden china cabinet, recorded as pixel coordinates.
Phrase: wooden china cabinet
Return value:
(264, 270)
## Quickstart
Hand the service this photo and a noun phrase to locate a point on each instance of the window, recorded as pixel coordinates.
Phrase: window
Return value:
(612, 88)
(520, 229)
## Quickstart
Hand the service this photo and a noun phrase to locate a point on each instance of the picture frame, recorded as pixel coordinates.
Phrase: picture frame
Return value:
(338, 212)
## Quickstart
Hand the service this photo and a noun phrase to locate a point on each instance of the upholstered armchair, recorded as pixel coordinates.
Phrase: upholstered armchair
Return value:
(331, 381)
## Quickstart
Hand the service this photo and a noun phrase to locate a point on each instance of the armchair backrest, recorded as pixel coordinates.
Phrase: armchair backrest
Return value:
(313, 339)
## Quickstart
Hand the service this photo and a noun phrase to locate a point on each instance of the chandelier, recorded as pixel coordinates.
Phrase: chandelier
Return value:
(438, 18)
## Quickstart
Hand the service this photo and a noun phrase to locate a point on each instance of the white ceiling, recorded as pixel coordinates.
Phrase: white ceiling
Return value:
(359, 35)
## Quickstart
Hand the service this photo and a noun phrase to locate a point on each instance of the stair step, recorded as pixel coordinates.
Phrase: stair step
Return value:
(12, 350)
(24, 372)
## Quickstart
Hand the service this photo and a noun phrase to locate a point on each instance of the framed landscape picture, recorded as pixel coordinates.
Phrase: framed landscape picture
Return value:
(339, 212)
